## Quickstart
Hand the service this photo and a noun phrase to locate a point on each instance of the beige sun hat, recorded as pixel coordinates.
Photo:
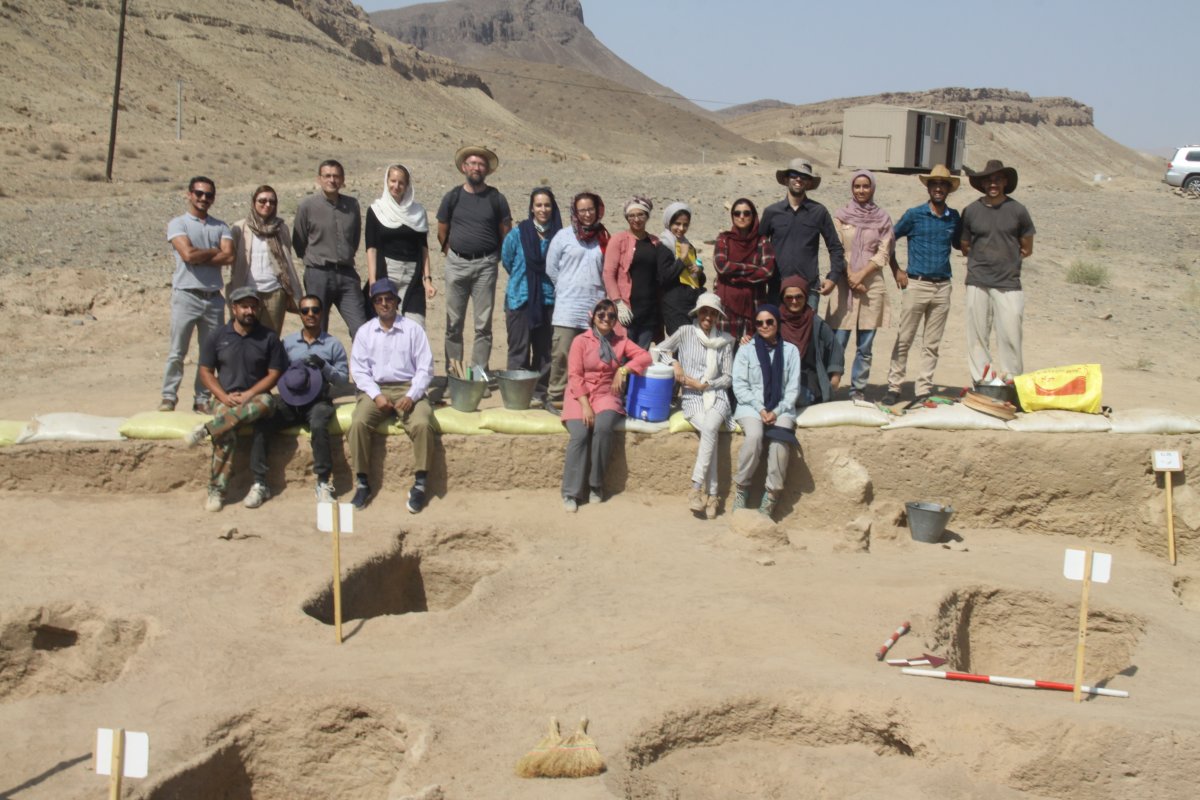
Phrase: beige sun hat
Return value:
(474, 150)
(801, 166)
(941, 173)
(708, 300)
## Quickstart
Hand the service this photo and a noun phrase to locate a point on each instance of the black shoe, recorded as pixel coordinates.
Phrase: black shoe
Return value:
(918, 401)
(416, 500)
(891, 398)
(361, 494)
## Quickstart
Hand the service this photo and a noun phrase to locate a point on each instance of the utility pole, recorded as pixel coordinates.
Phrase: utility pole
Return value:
(112, 130)
(178, 110)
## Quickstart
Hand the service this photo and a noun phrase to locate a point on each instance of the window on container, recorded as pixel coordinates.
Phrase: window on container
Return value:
(939, 132)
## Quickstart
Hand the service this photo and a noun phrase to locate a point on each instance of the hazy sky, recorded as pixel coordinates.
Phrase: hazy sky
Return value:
(1133, 62)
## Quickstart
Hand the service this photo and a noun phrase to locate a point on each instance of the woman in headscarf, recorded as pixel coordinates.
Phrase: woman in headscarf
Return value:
(822, 361)
(529, 297)
(599, 364)
(397, 238)
(860, 301)
(575, 265)
(262, 259)
(703, 359)
(633, 263)
(766, 380)
(744, 262)
(683, 282)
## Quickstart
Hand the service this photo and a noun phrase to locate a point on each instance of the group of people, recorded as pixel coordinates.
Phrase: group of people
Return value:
(583, 307)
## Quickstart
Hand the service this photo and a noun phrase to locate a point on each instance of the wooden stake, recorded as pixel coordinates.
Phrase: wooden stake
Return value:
(1170, 518)
(117, 765)
(337, 572)
(1077, 694)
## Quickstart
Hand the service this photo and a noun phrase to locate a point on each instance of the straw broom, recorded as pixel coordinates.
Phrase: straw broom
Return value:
(576, 757)
(529, 765)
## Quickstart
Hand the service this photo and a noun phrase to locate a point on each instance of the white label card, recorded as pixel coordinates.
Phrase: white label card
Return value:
(325, 517)
(1167, 461)
(137, 753)
(1074, 562)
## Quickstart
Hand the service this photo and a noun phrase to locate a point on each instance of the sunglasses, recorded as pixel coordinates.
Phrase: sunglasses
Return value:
(385, 298)
(764, 323)
(793, 298)
(204, 195)
(608, 315)
(266, 201)
(310, 311)
(794, 175)
(743, 213)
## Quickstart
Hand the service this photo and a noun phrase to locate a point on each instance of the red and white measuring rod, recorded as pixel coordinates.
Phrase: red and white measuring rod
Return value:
(1023, 683)
(891, 640)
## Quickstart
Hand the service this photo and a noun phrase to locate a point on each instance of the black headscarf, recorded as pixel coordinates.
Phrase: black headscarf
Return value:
(772, 370)
(535, 258)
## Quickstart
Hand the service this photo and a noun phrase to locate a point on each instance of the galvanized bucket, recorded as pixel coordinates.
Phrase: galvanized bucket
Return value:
(927, 521)
(465, 395)
(517, 386)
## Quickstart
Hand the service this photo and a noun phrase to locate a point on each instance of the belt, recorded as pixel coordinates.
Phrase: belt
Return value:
(331, 265)
(927, 279)
(207, 294)
(472, 256)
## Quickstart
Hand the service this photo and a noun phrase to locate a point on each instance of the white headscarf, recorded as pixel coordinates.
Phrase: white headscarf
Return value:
(407, 212)
(668, 238)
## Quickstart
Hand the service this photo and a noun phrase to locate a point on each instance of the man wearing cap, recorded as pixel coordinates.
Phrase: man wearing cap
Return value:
(997, 234)
(793, 225)
(201, 245)
(240, 364)
(473, 220)
(325, 234)
(317, 361)
(392, 367)
(932, 229)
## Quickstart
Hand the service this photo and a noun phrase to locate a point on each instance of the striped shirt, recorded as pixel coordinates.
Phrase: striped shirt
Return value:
(692, 355)
(930, 238)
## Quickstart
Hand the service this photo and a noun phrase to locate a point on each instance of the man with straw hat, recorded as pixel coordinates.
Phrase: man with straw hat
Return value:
(997, 234)
(793, 225)
(932, 229)
(473, 220)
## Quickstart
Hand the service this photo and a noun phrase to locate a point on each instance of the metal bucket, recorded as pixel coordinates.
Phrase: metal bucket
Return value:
(927, 521)
(516, 387)
(1006, 393)
(465, 395)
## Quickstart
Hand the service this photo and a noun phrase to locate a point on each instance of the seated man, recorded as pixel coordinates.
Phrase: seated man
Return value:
(240, 364)
(317, 361)
(392, 367)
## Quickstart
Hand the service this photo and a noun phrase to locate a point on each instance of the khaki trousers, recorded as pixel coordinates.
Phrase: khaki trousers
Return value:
(560, 348)
(920, 302)
(419, 426)
(1003, 311)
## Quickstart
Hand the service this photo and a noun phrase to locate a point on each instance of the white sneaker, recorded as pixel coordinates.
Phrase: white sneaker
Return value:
(198, 435)
(259, 494)
(324, 492)
(215, 501)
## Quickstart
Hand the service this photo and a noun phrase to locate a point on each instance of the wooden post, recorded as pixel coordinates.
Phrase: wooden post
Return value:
(118, 764)
(337, 572)
(1083, 613)
(1170, 518)
(116, 101)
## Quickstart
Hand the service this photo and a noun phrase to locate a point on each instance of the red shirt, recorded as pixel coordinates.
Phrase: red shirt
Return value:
(588, 376)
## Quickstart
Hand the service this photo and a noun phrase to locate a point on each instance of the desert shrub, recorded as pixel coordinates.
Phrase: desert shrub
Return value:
(89, 175)
(129, 152)
(1085, 273)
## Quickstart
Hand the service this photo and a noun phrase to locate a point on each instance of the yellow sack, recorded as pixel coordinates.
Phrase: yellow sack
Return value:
(513, 421)
(451, 420)
(161, 424)
(679, 424)
(10, 429)
(1074, 388)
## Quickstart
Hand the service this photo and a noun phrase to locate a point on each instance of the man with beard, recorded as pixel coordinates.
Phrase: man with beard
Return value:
(793, 225)
(239, 364)
(473, 220)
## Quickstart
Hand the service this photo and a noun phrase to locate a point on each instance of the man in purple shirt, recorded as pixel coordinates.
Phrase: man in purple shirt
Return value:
(392, 366)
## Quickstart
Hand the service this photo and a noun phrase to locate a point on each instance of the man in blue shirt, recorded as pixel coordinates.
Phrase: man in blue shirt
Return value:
(932, 229)
(317, 361)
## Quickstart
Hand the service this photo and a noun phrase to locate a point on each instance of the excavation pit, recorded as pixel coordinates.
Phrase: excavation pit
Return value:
(63, 648)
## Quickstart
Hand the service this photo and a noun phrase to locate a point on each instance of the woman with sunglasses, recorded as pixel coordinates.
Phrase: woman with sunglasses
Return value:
(635, 266)
(822, 360)
(860, 302)
(262, 259)
(766, 381)
(744, 261)
(703, 359)
(397, 239)
(529, 297)
(600, 361)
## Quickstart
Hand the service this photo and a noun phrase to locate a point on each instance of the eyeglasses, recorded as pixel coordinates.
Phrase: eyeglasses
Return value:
(310, 311)
(385, 298)
(266, 201)
(637, 215)
(743, 213)
(764, 323)
(204, 195)
(608, 315)
(585, 210)
(793, 298)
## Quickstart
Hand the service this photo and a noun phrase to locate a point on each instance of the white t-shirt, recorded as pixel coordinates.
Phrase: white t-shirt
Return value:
(262, 269)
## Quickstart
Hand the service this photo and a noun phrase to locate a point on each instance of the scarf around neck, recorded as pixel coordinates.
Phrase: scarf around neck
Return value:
(797, 326)
(743, 246)
(535, 257)
(594, 232)
(770, 361)
(713, 345)
(871, 223)
(270, 230)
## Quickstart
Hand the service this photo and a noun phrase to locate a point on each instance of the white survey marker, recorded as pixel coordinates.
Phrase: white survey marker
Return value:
(1101, 566)
(325, 517)
(137, 753)
(1167, 461)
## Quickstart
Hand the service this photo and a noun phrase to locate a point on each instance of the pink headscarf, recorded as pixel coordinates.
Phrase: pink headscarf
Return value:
(872, 223)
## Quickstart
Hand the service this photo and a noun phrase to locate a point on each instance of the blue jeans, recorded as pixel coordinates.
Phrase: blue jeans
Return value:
(189, 312)
(862, 356)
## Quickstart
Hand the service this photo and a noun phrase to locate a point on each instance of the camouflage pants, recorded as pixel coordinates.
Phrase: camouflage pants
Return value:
(223, 429)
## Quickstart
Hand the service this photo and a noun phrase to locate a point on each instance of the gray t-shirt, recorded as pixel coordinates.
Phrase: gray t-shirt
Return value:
(994, 261)
(475, 221)
(203, 234)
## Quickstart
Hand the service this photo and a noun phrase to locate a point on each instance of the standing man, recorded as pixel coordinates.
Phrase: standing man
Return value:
(317, 361)
(932, 229)
(392, 366)
(793, 225)
(239, 364)
(473, 220)
(202, 245)
(325, 234)
(997, 234)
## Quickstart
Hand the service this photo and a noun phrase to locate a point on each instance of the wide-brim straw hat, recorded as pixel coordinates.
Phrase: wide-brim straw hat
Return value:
(474, 150)
(801, 166)
(994, 166)
(941, 173)
(708, 300)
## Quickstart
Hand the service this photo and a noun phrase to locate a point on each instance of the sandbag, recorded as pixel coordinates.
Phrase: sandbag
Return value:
(1073, 388)
(1059, 422)
(521, 422)
(10, 431)
(641, 426)
(161, 424)
(678, 423)
(841, 412)
(452, 420)
(1153, 420)
(71, 427)
(956, 417)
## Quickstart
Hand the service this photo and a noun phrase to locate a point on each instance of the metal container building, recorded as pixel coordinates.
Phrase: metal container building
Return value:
(883, 137)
